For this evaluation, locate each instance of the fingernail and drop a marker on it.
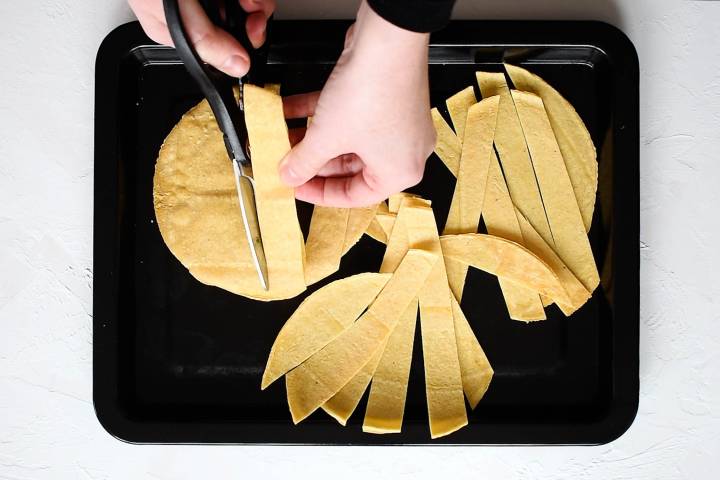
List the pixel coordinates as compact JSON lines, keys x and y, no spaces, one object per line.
{"x":235,"y":65}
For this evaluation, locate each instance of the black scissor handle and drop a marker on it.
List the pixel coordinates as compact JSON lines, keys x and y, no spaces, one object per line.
{"x":214,"y":84}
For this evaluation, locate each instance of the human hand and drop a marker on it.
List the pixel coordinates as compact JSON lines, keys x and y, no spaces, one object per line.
{"x":214,"y":45}
{"x":371,"y":130}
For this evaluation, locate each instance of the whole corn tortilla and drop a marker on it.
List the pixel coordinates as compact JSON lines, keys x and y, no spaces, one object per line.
{"x":321,"y":376}
{"x":514,"y":157}
{"x":319,"y":319}
{"x":197,"y":209}
{"x":572,"y":136}
{"x":566,"y":223}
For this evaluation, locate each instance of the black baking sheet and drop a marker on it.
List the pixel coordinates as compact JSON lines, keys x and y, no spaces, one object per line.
{"x":176,"y":361}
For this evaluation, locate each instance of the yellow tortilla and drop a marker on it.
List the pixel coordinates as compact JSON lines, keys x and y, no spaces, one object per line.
{"x":507,"y":259}
{"x":381,"y":226}
{"x":514,"y":156}
{"x":575,"y":143}
{"x":443,"y":381}
{"x":577,"y":293}
{"x":458,"y":106}
{"x":342,"y":405}
{"x":501,"y":221}
{"x":474,"y":364}
{"x":396,"y":199}
{"x":325,"y":241}
{"x":570,"y":239}
{"x":388,"y":390}
{"x":197,"y":209}
{"x":273,"y":87}
{"x":447,"y":145}
{"x":376,"y":232}
{"x":319,"y":319}
{"x":469,"y":195}
{"x":358,"y":220}
{"x":321,"y":376}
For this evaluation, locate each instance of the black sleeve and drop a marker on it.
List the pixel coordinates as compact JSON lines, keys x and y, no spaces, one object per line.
{"x":416,"y":15}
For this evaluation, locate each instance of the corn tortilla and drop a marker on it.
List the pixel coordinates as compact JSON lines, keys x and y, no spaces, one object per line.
{"x":447,"y":145}
{"x":358,"y":220}
{"x":575,"y":142}
{"x":514,"y":156}
{"x":319,"y":319}
{"x":386,"y":403}
{"x":566,"y":223}
{"x":322,"y":375}
{"x":197,"y":209}
{"x":458,"y":106}
{"x":507,"y":259}
{"x":501,"y":221}
{"x":474,"y":364}
{"x":469,"y":194}
{"x":443,"y":380}
{"x":324,"y":245}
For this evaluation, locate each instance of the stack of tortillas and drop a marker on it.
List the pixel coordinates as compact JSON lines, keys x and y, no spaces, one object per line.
{"x":524,"y":162}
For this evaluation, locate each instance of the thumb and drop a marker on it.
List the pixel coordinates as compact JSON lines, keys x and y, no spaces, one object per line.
{"x":305,"y":159}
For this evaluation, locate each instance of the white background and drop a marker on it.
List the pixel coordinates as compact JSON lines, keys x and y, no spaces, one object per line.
{"x":48,"y":428}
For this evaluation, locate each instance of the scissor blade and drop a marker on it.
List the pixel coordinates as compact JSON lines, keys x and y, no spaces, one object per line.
{"x":246,"y":199}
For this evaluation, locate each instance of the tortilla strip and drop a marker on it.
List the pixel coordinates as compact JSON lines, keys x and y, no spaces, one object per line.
{"x":396,"y":199}
{"x":469,"y":195}
{"x":342,"y":405}
{"x":321,"y":376}
{"x":501,"y":221}
{"x":566,"y":222}
{"x":323,"y":248}
{"x":443,"y":380}
{"x":514,"y":157}
{"x":458,"y":106}
{"x":447,"y":145}
{"x":319,"y":319}
{"x":577,"y":293}
{"x":474,"y":364}
{"x":507,"y":259}
{"x":572,"y":136}
{"x":376,"y":232}
{"x":357,"y":223}
{"x":388,"y":391}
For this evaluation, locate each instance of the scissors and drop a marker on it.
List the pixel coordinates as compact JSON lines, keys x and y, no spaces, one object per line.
{"x":229,"y":113}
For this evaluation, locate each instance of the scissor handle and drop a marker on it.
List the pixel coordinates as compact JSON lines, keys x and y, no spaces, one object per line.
{"x":213,"y":83}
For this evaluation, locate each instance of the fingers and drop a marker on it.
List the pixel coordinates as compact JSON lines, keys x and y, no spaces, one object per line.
{"x":256,"y":27}
{"x":214,"y":45}
{"x":296,"y":135}
{"x":305,"y":159}
{"x":300,"y":106}
{"x":343,"y":166}
{"x":340,"y":192}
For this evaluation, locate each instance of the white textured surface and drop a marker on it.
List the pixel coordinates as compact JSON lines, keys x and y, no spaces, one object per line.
{"x":48,"y":428}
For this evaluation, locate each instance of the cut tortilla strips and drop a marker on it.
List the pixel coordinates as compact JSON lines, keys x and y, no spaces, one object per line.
{"x":501,"y":221}
{"x":357,"y":224}
{"x":319,"y":319}
{"x":566,"y":223}
{"x":324,"y":246}
{"x":443,"y":380}
{"x":506,"y":259}
{"x":576,"y":145}
{"x":388,"y":391}
{"x":514,"y":156}
{"x":474,"y":364}
{"x":447,"y":145}
{"x":342,"y":405}
{"x":321,"y":376}
{"x":458,"y":106}
{"x":469,"y":194}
